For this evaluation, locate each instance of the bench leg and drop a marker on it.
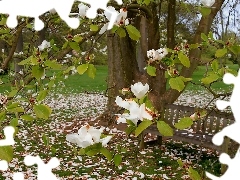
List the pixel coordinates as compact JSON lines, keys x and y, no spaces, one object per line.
{"x":159,"y":140}
{"x":224,"y":150}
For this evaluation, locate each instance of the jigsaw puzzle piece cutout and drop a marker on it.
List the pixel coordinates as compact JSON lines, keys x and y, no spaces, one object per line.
{"x":231,"y":131}
{"x":3,"y":165}
{"x":229,"y":78}
{"x":232,"y":172}
{"x":95,"y":5}
{"x":18,"y":176}
{"x":44,"y":170}
{"x":9,"y":134}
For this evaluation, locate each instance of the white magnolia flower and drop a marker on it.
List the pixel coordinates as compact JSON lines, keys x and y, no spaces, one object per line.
{"x":82,"y":10}
{"x":136,"y":113}
{"x":45,"y":44}
{"x":208,"y":3}
{"x":120,"y":20}
{"x":86,"y":136}
{"x":124,"y":103}
{"x":139,"y":90}
{"x":153,"y":55}
{"x":162,"y":52}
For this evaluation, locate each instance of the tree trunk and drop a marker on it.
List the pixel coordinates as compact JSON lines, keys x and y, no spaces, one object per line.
{"x":171,"y":24}
{"x":19,"y":48}
{"x":124,"y":62}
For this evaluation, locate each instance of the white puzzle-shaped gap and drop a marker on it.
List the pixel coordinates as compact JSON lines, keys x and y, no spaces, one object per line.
{"x":9,"y":134}
{"x":44,"y":171}
{"x":231,"y":131}
{"x":35,"y":8}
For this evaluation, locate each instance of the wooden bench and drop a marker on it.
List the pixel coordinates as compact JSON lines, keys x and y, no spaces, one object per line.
{"x":202,"y":130}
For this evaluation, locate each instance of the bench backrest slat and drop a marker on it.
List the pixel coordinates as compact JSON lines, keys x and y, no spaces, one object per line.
{"x":213,"y":123}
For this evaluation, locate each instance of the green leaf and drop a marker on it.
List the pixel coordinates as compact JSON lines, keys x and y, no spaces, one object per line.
{"x":235,"y":49}
{"x":147,"y":2}
{"x":17,"y":109}
{"x":142,"y":126}
{"x":42,"y":94}
{"x":25,"y":61}
{"x":151,"y":70}
{"x":184,"y":59}
{"x":77,"y":38}
{"x":82,"y":68}
{"x":130,"y":129}
{"x":177,"y":83}
{"x":74,"y":45}
{"x":92,"y":152}
{"x":209,"y":79}
{"x":220,"y":52}
{"x":180,"y":163}
{"x":164,"y":128}
{"x":2,"y":115}
{"x":37,"y":71}
{"x":91,"y":71}
{"x":114,"y":29}
{"x":12,"y":106}
{"x":194,"y":175}
{"x":185,"y":122}
{"x":215,"y":65}
{"x":117,"y":159}
{"x":121,"y":32}
{"x":42,"y":111}
{"x":53,"y":64}
{"x":65,"y":45}
{"x":106,"y":153}
{"x":204,"y":37}
{"x":93,"y":27}
{"x":14,"y":122}
{"x":185,"y":79}
{"x":53,"y":150}
{"x":6,"y":153}
{"x":27,"y":117}
{"x":13,"y":93}
{"x":205,"y":11}
{"x":45,"y":140}
{"x":134,"y":34}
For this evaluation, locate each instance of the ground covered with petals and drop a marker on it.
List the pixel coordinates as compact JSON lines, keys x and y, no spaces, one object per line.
{"x":71,"y":111}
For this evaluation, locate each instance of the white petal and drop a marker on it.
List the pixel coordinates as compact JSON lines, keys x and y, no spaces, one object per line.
{"x":95,"y":133}
{"x":82,"y":9}
{"x":106,"y":140}
{"x":121,"y":120}
{"x":103,"y":29}
{"x":108,"y":13}
{"x":120,"y":102}
{"x":144,"y":113}
{"x":72,"y":138}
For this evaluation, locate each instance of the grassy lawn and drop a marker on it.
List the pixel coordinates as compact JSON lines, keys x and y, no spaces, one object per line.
{"x":82,"y":83}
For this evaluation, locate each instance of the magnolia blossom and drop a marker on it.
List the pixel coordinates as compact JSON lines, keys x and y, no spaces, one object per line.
{"x":120,"y":20}
{"x":162,"y":52}
{"x":82,"y":10}
{"x":135,"y":114}
{"x":45,"y":44}
{"x":208,"y":3}
{"x":159,"y":54}
{"x":124,"y":103}
{"x":86,"y":136}
{"x":139,"y":90}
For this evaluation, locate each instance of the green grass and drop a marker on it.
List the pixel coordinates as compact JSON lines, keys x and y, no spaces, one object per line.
{"x":82,"y":83}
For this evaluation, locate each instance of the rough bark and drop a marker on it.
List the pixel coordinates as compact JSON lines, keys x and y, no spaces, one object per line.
{"x":204,"y":27}
{"x":19,"y":49}
{"x":171,"y":24}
